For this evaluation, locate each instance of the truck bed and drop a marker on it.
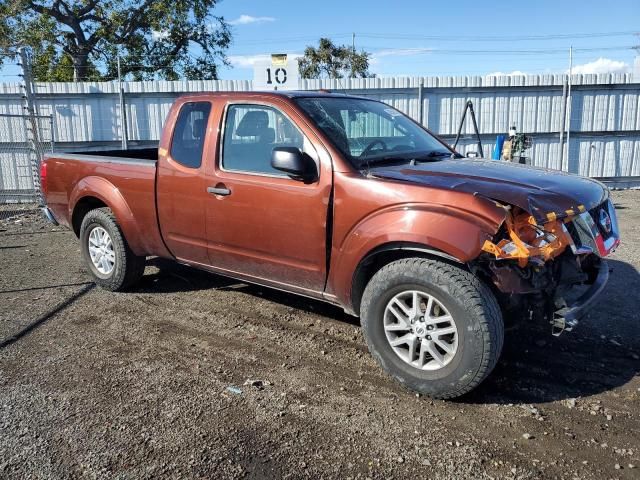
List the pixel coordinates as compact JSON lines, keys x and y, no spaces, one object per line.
{"x":124,"y":179}
{"x":132,"y":153}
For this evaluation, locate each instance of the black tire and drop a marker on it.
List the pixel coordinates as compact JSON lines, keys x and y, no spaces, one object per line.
{"x":471,"y":304}
{"x":128,"y":268}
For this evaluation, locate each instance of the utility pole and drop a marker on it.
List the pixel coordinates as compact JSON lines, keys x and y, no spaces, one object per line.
{"x":353,"y":53}
{"x":123,"y":110}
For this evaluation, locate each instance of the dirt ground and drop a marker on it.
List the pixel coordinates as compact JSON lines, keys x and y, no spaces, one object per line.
{"x":195,"y":375}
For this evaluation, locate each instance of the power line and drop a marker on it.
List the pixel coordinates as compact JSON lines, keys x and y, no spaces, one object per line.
{"x":435,"y":51}
{"x":496,"y":38}
{"x":306,"y":38}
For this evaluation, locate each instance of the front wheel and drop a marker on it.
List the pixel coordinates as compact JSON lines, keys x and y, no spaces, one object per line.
{"x":111,"y":262}
{"x":432,"y":326}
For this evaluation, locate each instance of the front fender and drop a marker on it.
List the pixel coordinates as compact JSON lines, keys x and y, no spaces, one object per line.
{"x":111,"y":196}
{"x":455,"y":232}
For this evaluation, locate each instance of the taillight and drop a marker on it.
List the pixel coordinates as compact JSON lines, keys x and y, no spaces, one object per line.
{"x":43,"y":178}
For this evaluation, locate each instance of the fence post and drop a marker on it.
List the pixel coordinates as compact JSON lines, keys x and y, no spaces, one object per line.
{"x":52,"y":135}
{"x":421,"y":101}
{"x":563,"y":123}
{"x":123,"y":111}
{"x":568,"y":113}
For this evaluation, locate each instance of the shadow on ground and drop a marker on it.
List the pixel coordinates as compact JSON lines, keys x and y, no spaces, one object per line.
{"x":173,"y":277}
{"x":42,"y":319}
{"x":599,"y":355}
{"x":535,"y":367}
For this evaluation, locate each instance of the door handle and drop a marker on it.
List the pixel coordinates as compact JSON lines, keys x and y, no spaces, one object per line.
{"x":219,"y":189}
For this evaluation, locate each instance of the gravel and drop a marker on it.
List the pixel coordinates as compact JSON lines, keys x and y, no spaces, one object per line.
{"x":145,"y":384}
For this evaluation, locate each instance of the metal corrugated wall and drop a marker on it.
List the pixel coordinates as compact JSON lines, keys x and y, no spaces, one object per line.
{"x":605,"y":112}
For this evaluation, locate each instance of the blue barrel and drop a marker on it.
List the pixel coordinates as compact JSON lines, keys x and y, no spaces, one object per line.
{"x":497,"y":152}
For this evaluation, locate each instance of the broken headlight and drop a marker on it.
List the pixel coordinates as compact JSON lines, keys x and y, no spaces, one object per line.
{"x":526,"y":241}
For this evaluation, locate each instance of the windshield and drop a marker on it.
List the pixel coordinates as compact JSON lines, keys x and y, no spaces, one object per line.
{"x":369,"y":132}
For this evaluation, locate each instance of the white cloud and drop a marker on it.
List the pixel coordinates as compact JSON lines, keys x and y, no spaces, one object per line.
{"x":397,"y":52}
{"x":602,"y":65}
{"x":247,"y":61}
{"x":247,"y":19}
{"x":515,"y":73}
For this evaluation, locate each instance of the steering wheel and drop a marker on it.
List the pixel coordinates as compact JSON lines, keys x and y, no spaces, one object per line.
{"x":369,"y":147}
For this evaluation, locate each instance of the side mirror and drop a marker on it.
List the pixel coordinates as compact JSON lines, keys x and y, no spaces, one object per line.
{"x":296,"y":164}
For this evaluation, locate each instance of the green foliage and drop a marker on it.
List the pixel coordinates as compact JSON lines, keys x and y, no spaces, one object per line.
{"x":520,"y":144}
{"x":333,"y":61}
{"x":81,"y":39}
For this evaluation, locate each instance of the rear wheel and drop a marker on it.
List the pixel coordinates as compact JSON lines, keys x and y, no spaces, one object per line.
{"x":432,"y":326}
{"x":111,"y":262}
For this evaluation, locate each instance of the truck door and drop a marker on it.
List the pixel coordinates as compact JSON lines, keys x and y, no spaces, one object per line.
{"x":260,"y":222}
{"x":181,"y":194}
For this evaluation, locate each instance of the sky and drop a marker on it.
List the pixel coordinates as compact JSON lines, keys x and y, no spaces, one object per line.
{"x":429,"y":38}
{"x":425,"y":38}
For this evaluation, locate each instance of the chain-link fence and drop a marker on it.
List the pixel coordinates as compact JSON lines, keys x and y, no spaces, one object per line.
{"x":24,"y":139}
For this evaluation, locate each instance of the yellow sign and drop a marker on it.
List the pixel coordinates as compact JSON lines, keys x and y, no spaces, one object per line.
{"x":279,"y":59}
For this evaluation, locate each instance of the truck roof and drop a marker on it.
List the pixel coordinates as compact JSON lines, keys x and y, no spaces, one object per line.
{"x":279,"y":93}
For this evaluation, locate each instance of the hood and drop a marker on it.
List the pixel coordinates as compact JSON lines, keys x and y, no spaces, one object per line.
{"x":541,"y":192}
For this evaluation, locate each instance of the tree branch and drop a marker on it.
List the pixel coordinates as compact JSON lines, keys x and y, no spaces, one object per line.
{"x":68,"y":20}
{"x":88,"y":8}
{"x":134,"y":20}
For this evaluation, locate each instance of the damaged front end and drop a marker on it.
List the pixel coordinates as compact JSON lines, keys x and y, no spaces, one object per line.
{"x":552,"y":270}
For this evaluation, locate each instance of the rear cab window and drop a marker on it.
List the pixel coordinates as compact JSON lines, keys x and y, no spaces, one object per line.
{"x":189,"y":134}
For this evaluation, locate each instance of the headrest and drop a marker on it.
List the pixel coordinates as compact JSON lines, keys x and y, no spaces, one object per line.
{"x":268,"y":135}
{"x":253,"y":124}
{"x":198,"y":128}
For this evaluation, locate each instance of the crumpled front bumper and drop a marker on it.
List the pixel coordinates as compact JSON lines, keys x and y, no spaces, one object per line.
{"x":567,"y":317}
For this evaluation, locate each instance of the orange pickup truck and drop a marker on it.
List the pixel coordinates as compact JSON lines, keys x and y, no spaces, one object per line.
{"x":349,"y":201}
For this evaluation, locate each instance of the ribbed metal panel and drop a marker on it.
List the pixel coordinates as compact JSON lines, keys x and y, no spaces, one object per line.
{"x":605,"y":112}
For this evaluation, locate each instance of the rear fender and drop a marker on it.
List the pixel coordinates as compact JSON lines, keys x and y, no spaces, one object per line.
{"x":110,"y":195}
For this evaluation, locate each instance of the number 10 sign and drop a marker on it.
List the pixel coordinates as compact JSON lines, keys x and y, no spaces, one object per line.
{"x":280,"y":72}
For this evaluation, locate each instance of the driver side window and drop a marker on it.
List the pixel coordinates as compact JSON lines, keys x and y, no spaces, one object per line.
{"x":251,"y":133}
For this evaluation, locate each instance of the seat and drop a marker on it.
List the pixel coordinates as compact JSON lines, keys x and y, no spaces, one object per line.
{"x":254,"y":154}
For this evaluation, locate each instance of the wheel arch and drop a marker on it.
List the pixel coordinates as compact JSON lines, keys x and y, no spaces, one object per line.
{"x":386,"y":253}
{"x":96,"y":192}
{"x":83,"y":206}
{"x":446,"y":232}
